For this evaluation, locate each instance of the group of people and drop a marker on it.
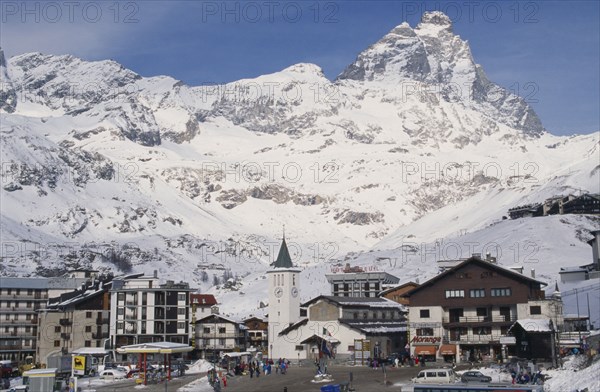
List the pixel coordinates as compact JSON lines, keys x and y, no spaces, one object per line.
{"x":255,"y":368}
{"x":523,"y":377}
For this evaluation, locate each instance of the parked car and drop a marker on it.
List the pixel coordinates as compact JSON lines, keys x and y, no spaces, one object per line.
{"x":112,"y":374}
{"x":19,"y":388}
{"x":435,"y":376}
{"x":474,"y":376}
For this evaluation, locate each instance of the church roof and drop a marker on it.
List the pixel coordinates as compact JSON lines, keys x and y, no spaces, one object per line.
{"x":283,"y":258}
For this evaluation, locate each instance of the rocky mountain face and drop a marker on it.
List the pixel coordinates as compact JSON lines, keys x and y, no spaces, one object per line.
{"x":105,"y":168}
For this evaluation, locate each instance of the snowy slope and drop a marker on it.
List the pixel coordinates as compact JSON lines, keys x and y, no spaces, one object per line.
{"x":105,"y":168}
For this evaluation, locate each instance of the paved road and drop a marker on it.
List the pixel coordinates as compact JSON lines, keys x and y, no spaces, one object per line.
{"x":298,"y":379}
{"x":122,"y":386}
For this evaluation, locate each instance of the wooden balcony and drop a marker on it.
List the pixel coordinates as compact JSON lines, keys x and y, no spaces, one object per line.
{"x":474,"y":321}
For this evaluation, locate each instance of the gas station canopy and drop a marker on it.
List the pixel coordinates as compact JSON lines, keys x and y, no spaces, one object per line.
{"x":155,"y":348}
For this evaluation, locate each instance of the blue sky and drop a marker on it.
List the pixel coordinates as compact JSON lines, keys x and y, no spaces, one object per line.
{"x":545,"y":51}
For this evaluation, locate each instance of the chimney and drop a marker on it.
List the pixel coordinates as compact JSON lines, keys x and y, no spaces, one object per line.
{"x":533,"y":273}
{"x":155,"y":274}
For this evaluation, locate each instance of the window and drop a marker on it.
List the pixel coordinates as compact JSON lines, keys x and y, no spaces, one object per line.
{"x":88,"y":314}
{"x":482,"y":330}
{"x":424,"y":313}
{"x":18,"y":291}
{"x":29,"y":292}
{"x":221,"y":342}
{"x":535,"y":310}
{"x":88,"y":328}
{"x":88,"y":343}
{"x":455,"y":293}
{"x":503,"y":292}
{"x":27,"y":329}
{"x":120,"y":297}
{"x":180,"y":325}
{"x":482,"y":312}
{"x":206,"y":330}
{"x":29,"y":304}
{"x":355,"y":315}
{"x":221,"y":329}
{"x":57,"y":329}
{"x":57,"y":343}
{"x":365,"y":315}
{"x":120,"y":325}
{"x":425,"y":331}
{"x":28,"y":316}
{"x":181,"y":296}
{"x":120,"y":311}
{"x":180,"y":310}
{"x":7,"y":316}
{"x":477,"y":293}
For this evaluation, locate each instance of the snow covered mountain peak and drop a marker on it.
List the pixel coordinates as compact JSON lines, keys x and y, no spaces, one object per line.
{"x":436,"y":18}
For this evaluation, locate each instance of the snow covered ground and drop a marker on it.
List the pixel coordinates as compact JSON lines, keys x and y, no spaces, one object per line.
{"x":571,"y":377}
{"x":200,"y":385}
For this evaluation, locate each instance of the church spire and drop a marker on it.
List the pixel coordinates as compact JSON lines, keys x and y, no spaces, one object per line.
{"x":283,"y":258}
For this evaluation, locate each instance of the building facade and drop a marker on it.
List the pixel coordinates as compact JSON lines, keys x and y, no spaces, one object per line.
{"x":341,"y":322}
{"x":144,"y":311}
{"x":20,"y":301}
{"x":353,"y":282}
{"x":217,"y":334}
{"x":75,"y":320}
{"x":464,"y":313}
{"x":258,"y":333}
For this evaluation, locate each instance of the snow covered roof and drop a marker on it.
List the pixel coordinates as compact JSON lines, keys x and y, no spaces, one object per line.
{"x":156,"y":347}
{"x":357,"y":302}
{"x":377,"y":326}
{"x":200,"y":320}
{"x":535,"y":325}
{"x":90,"y":351}
{"x":23,"y":283}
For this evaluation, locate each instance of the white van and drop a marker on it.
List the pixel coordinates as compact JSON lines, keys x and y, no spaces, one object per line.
{"x":439,"y":376}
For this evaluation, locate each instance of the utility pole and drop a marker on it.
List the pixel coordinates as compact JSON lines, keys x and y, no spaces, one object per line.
{"x":578,"y":315}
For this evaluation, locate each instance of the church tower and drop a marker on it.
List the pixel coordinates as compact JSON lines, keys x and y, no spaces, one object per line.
{"x":284,"y":303}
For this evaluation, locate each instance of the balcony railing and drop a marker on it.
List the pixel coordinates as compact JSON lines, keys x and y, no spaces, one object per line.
{"x":473,"y":338}
{"x":65,"y":322}
{"x":495,"y":318}
{"x":96,"y":335}
{"x":65,"y":336}
{"x":220,"y":336}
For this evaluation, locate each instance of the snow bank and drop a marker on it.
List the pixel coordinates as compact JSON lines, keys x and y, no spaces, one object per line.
{"x":570,"y":378}
{"x":199,"y":385}
{"x":200,"y":366}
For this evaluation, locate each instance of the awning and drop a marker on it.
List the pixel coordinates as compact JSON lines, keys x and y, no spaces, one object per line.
{"x":155,"y":348}
{"x":425,"y":350}
{"x":448,"y":349}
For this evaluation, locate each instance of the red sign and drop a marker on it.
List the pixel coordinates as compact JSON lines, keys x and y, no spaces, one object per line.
{"x":426,"y":339}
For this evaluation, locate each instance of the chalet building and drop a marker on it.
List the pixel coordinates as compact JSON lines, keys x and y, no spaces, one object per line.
{"x":200,"y":305}
{"x":75,"y":320}
{"x":583,"y":204}
{"x":465,"y":312}
{"x":257,"y":329}
{"x":535,"y":339}
{"x":397,"y":293}
{"x":217,"y":335}
{"x":526,"y":211}
{"x":344,"y":320}
{"x":354,"y":282}
{"x":20,"y":301}
{"x":587,"y":203}
{"x":144,"y":311}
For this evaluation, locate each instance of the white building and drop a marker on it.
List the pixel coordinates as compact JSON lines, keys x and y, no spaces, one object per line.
{"x":217,"y":335}
{"x":284,"y":302}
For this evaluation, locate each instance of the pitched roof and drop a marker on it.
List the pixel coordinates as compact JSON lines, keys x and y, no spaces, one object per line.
{"x":486,"y":264}
{"x":203,"y":299}
{"x":283,"y":258}
{"x":361,"y":302}
{"x":534,"y":325}
{"x":386,"y":291}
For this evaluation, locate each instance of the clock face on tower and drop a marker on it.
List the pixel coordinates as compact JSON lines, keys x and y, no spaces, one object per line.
{"x":278,"y":292}
{"x":294,"y":292}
